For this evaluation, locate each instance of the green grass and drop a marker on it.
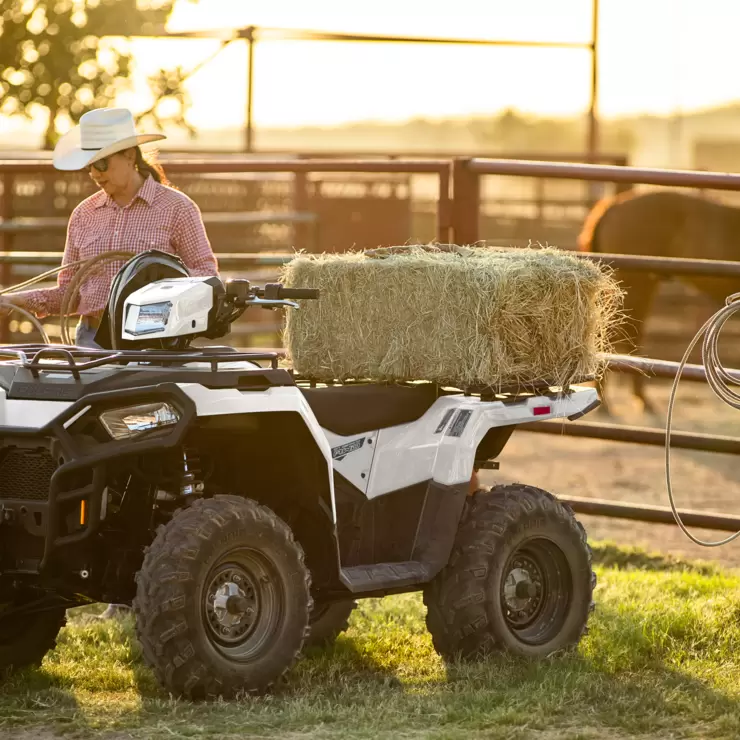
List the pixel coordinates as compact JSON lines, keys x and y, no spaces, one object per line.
{"x":660,"y":661}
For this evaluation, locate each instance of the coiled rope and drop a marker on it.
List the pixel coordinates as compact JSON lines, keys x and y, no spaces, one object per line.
{"x":720,"y":381}
{"x":86,"y":268}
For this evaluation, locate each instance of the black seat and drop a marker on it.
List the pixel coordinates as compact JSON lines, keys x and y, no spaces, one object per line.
{"x":351,"y":409}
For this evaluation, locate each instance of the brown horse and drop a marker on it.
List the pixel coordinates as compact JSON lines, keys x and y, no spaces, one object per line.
{"x":661,"y":224}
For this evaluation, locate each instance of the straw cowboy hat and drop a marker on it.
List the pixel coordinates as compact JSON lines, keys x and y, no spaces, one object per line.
{"x":100,"y":133}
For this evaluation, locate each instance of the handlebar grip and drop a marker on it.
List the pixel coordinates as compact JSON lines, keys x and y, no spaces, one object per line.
{"x":309,"y":293}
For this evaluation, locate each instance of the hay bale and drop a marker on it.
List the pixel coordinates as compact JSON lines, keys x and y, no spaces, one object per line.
{"x":462,"y":316}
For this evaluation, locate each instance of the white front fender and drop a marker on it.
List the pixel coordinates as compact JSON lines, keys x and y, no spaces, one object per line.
{"x":222,"y":401}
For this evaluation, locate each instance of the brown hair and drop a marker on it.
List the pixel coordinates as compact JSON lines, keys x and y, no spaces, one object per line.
{"x":147,"y":164}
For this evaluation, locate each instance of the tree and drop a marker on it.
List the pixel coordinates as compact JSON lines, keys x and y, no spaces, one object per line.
{"x":68,"y":57}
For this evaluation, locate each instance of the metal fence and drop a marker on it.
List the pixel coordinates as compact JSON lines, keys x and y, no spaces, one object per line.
{"x":252,"y":204}
{"x":458,"y":221}
{"x":467,"y":174}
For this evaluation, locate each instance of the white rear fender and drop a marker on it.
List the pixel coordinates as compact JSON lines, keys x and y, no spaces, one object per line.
{"x":442,"y":445}
{"x":470,"y":424}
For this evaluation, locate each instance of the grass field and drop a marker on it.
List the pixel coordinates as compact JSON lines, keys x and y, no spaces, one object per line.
{"x":660,"y":661}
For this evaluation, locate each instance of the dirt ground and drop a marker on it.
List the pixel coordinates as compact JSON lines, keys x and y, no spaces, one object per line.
{"x":634,"y":473}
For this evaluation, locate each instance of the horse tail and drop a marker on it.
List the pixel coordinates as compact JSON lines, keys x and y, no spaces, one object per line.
{"x":588,"y":238}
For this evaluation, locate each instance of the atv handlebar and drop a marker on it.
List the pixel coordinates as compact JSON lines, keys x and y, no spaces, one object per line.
{"x":278,"y":292}
{"x":240,"y":292}
{"x":308,"y":293}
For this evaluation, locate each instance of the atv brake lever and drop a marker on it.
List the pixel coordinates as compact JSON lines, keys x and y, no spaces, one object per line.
{"x":270,"y":303}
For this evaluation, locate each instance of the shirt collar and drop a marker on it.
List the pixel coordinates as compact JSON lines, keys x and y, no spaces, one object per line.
{"x":147,"y":193}
{"x":148,"y":190}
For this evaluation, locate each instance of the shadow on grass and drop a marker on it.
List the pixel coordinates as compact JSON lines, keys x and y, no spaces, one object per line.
{"x":630,"y":686}
{"x":31,"y":698}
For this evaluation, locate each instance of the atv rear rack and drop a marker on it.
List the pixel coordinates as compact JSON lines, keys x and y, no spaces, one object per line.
{"x":485,"y":393}
{"x":79,"y":359}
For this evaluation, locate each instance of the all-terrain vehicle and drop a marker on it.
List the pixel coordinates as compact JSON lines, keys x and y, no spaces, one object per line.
{"x":243,"y":509}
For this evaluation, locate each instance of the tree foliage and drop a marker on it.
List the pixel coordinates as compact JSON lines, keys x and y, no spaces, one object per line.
{"x":69,"y":56}
{"x":513,"y":131}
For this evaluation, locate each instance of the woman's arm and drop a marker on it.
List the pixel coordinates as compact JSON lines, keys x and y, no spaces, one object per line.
{"x":48,"y":301}
{"x":191,"y":242}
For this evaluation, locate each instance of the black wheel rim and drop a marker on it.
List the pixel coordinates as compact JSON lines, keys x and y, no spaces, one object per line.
{"x":242,"y":605}
{"x":536,"y":591}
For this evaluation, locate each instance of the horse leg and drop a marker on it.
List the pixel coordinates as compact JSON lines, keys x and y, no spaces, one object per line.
{"x":601,"y":390}
{"x":643,"y":298}
{"x":639,"y":292}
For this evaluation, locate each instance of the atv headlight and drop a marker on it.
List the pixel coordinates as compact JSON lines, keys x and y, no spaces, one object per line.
{"x":148,"y":318}
{"x":134,"y":420}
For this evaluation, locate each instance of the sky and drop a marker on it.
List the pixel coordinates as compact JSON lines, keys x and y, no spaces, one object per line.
{"x":655,"y":56}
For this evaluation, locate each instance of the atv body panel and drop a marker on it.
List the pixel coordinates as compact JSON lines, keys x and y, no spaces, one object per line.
{"x":397,"y":459}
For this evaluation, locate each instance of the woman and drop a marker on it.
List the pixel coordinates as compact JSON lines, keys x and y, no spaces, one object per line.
{"x":135,"y":210}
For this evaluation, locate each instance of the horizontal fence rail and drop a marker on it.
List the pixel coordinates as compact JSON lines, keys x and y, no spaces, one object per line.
{"x":653,"y":514}
{"x":235,"y":259}
{"x":24,"y":224}
{"x":237,"y":164}
{"x":661,"y":368}
{"x":638,"y":435}
{"x":605,"y":173}
{"x":659,"y":265}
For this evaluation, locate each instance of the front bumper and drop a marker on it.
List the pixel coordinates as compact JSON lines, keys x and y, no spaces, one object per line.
{"x":80,"y":469}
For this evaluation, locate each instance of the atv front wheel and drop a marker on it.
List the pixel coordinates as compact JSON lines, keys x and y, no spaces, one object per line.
{"x":328,"y":621}
{"x":223,"y":599}
{"x":25,"y":640}
{"x":519,"y":578}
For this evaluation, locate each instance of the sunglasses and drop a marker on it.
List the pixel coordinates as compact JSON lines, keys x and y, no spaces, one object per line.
{"x":101,"y":165}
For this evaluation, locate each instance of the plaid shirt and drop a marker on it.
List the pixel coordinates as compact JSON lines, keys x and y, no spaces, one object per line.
{"x":158,"y":217}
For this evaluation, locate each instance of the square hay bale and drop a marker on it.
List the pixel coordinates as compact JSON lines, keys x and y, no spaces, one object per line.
{"x":459,"y":316}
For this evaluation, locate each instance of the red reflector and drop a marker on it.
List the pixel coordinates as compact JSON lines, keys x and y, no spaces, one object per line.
{"x":541,"y":410}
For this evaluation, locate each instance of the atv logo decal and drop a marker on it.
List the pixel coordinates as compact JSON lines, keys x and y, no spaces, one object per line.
{"x":339,"y":453}
{"x":445,"y":419}
{"x":459,"y":424}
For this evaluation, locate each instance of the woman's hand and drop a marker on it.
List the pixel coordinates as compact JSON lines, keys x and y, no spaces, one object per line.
{"x":8,"y":301}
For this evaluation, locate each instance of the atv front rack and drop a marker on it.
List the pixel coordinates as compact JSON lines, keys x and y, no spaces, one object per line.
{"x":38,"y":357}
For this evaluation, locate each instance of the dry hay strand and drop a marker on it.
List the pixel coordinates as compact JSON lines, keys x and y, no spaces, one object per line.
{"x":453,"y":315}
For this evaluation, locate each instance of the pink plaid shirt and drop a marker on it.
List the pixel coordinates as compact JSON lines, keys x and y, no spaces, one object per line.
{"x":158,"y":217}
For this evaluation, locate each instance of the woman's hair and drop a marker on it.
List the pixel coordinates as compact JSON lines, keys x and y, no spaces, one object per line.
{"x":147,"y":164}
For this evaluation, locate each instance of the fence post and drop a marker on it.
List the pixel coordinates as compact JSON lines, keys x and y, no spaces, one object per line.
{"x":465,"y":203}
{"x":305,"y":234}
{"x":444,"y":208}
{"x":6,"y":245}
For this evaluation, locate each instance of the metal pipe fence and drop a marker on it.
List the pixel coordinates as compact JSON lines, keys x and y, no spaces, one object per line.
{"x":465,"y":230}
{"x":457,"y":222}
{"x":467,"y":173}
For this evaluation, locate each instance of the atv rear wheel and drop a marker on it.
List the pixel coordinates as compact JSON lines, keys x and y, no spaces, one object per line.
{"x":24,"y":641}
{"x":519,"y":578}
{"x":223,"y":599}
{"x":328,"y":621}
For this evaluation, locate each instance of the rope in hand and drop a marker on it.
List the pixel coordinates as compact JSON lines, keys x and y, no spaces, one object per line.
{"x":86,"y":268}
{"x":719,"y":381}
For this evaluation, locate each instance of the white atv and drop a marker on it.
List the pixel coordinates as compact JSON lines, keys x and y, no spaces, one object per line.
{"x":242,"y":510}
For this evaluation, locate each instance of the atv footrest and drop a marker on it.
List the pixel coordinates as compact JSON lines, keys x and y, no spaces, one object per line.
{"x":385,"y":575}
